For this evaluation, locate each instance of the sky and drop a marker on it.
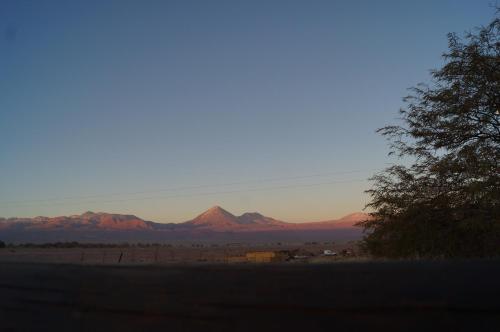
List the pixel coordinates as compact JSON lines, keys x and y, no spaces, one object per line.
{"x":164,"y":108}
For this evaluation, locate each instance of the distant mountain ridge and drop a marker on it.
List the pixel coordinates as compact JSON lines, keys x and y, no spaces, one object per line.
{"x":86,"y":221}
{"x":213,"y":221}
{"x":216,"y":218}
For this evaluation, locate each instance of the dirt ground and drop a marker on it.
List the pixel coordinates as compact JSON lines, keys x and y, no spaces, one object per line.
{"x":163,"y":255}
{"x":402,"y":296}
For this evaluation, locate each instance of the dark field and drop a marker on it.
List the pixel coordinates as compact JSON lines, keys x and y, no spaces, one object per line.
{"x":165,"y":255}
{"x":349,"y":296}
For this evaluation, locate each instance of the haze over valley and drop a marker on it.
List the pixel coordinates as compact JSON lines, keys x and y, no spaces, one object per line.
{"x":215,"y":223}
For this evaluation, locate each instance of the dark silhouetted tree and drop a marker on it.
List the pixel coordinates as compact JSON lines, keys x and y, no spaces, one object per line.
{"x":445,"y":201}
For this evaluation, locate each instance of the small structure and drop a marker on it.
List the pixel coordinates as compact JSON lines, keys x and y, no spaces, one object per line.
{"x":346,"y":252}
{"x":328,"y":252}
{"x":301,"y":254}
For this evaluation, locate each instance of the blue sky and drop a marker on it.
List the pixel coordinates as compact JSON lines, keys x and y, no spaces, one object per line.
{"x":165,"y":108}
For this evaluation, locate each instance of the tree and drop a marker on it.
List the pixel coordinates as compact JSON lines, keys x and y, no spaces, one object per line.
{"x":2,"y":244}
{"x":446,"y":202}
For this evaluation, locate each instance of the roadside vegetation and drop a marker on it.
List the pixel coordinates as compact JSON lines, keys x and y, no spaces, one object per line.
{"x":443,"y":200}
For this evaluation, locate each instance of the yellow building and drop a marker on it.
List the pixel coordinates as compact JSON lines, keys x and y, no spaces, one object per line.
{"x":266,"y":256}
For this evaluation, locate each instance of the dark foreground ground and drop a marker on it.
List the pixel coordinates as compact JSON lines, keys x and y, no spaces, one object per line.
{"x":406,"y":296}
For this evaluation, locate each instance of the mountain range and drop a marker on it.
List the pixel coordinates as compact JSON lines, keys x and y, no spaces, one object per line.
{"x":215,"y":223}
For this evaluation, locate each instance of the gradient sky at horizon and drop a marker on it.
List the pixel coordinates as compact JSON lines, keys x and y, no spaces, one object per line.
{"x":165,"y":108}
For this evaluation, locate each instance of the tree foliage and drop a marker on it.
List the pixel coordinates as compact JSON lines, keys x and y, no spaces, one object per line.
{"x":446,"y":202}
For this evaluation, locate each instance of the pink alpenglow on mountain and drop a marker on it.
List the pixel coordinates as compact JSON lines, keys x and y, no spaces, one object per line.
{"x":86,"y":221}
{"x":218,"y":219}
{"x":215,"y":217}
{"x":215,"y":220}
